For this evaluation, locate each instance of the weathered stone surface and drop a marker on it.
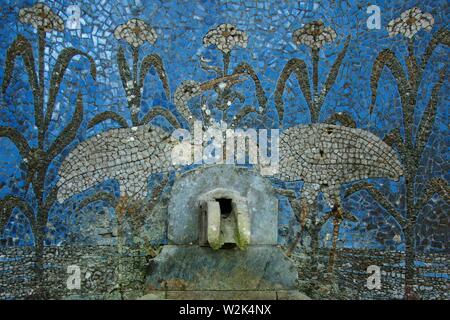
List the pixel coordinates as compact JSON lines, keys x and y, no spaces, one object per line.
{"x":102,"y":269}
{"x":225,"y":295}
{"x":184,"y":211}
{"x":222,"y":295}
{"x":291,"y":295}
{"x":155,"y":226}
{"x":202,"y":268}
{"x":153,"y":295}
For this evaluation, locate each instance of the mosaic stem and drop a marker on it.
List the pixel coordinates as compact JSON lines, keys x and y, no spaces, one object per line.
{"x":226,"y":62}
{"x":314,"y":111}
{"x":41,"y":70}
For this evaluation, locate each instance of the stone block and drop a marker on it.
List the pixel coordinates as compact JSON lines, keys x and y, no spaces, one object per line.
{"x":183,"y":268}
{"x":183,"y":209}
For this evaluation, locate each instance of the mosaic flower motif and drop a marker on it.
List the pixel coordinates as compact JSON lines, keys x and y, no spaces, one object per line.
{"x":41,"y":16}
{"x":225,"y":37}
{"x":135,"y":32}
{"x":410,"y":22}
{"x":314,"y":34}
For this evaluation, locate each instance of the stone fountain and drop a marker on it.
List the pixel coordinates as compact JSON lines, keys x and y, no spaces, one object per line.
{"x":222,"y":232}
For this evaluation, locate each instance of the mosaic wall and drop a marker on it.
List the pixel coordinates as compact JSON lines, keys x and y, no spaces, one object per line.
{"x":92,"y":90}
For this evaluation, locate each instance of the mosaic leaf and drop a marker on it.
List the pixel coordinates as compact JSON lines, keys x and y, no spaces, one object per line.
{"x":379,"y":197}
{"x":388,"y":59}
{"x":428,"y":117}
{"x":298,"y":67}
{"x":153,"y":60}
{"x":107,"y":115}
{"x":69,"y":132}
{"x":21,"y":47}
{"x":159,"y":111}
{"x":8,"y":203}
{"x":58,"y":73}
{"x":247,"y":69}
{"x":17,"y":138}
{"x":331,"y":78}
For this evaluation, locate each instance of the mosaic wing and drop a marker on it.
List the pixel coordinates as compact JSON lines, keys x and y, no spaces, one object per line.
{"x":128,"y":155}
{"x":333,"y":155}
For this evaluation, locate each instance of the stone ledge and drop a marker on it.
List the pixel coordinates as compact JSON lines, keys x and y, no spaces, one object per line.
{"x":193,"y":268}
{"x":225,"y":295}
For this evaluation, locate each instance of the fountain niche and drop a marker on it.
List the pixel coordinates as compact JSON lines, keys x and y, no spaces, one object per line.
{"x":222,"y":231}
